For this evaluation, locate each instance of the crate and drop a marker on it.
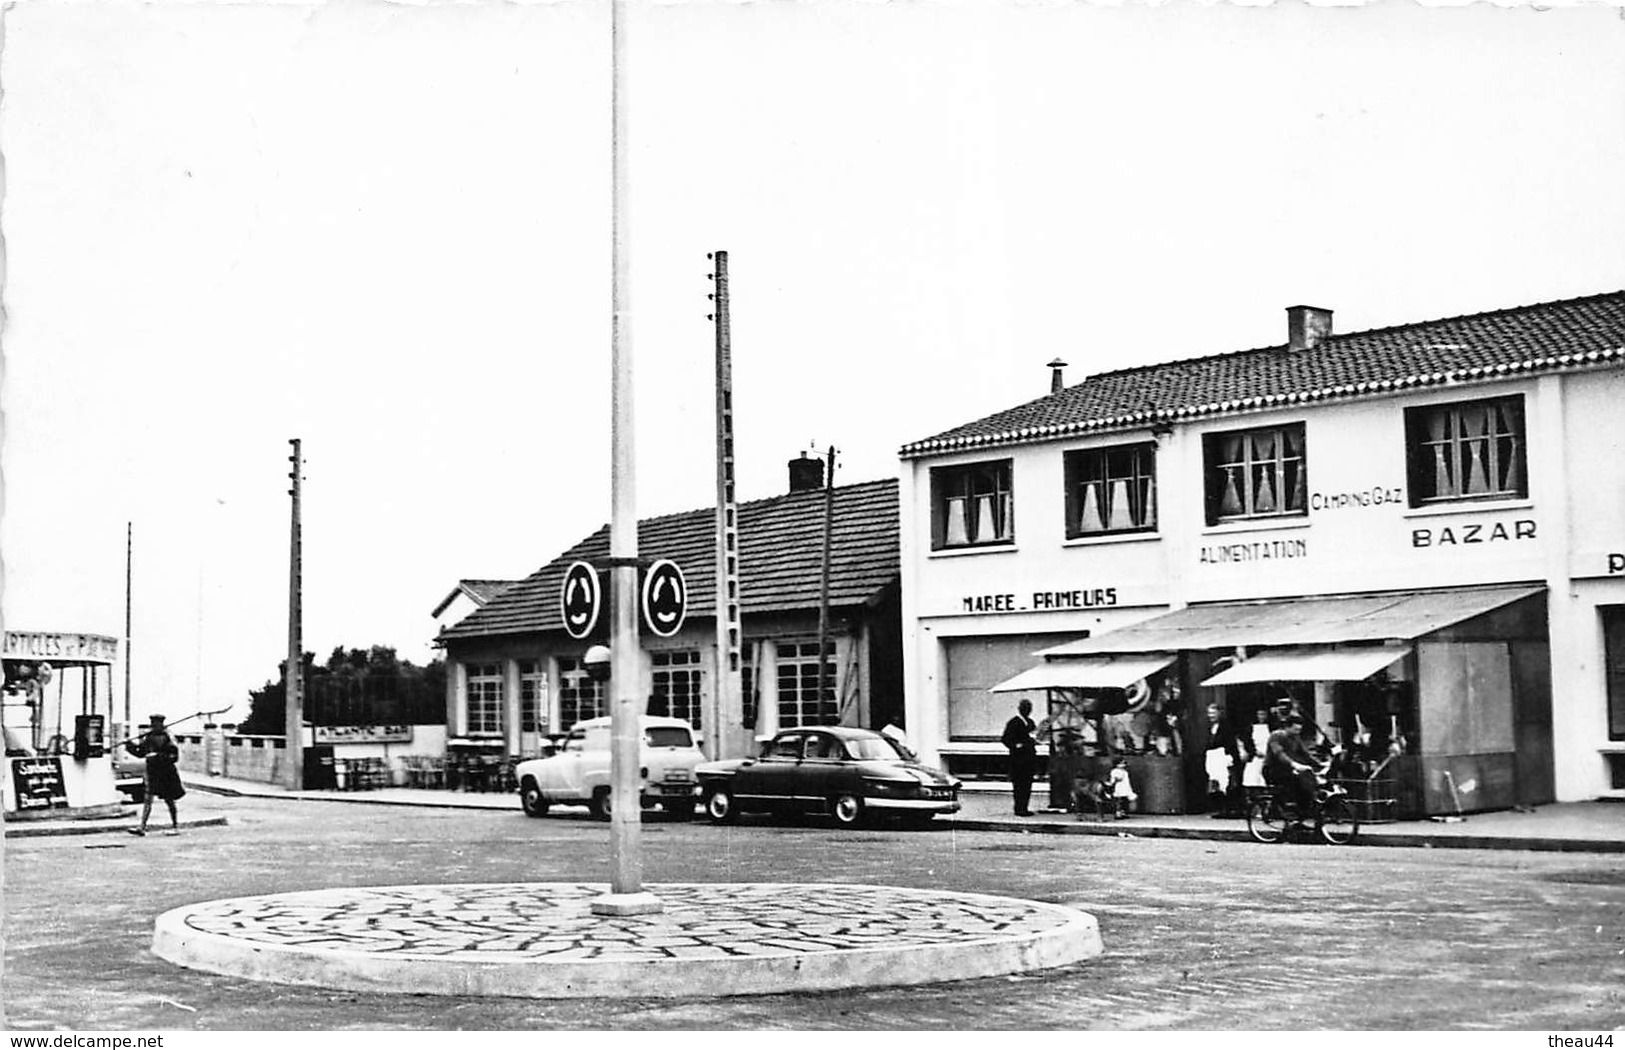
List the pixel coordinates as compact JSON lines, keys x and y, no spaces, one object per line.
{"x":1372,"y":800}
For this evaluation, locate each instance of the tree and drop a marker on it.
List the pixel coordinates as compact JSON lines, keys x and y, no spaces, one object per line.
{"x":371,"y":686}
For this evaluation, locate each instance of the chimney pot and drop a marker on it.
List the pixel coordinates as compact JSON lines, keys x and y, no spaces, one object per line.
{"x":1307,"y":327}
{"x":1055,"y":383}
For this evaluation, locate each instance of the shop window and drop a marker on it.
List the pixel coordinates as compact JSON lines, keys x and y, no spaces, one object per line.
{"x":580,"y":698}
{"x":484,"y":699}
{"x":1255,"y":473}
{"x":676,"y":682}
{"x":532,"y":697}
{"x":799,"y":701}
{"x":1111,"y":490}
{"x":1467,"y":450}
{"x":971,"y":506}
{"x":1613,"y":643}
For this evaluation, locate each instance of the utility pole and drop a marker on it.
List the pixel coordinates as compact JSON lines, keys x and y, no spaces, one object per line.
{"x":293,"y":765}
{"x":823,"y":585}
{"x":129,"y":551}
{"x":626,"y":896}
{"x":725,"y":718}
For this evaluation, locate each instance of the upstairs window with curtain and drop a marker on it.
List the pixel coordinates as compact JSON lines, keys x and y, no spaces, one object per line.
{"x":1111,"y":490}
{"x":1255,"y":474}
{"x":971,"y":505}
{"x":1466,"y":451}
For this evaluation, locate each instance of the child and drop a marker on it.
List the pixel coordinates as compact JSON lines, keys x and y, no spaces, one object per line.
{"x":1122,"y":788}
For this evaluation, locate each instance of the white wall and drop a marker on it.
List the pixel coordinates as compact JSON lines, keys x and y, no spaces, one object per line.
{"x":1360,"y":534}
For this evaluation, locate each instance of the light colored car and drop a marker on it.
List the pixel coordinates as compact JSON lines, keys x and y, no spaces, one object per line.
{"x":578,"y":774}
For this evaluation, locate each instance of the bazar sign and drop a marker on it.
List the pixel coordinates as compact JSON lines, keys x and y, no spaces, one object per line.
{"x":363,"y":734}
{"x":36,"y":645}
{"x":1043,"y":601}
{"x":1472,"y":532}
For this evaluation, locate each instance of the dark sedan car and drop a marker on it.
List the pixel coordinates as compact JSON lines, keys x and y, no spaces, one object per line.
{"x":847,"y":773}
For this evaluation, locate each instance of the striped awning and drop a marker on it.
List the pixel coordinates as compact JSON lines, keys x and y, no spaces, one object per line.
{"x":1393,"y":617}
{"x":1311,"y":664}
{"x":1087,"y":672}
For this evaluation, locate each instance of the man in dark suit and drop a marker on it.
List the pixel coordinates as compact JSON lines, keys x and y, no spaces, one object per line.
{"x":1018,"y":738}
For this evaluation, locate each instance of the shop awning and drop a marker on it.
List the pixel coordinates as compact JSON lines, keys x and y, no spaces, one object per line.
{"x":1087,"y":672}
{"x":1401,"y":617}
{"x":1311,"y":664}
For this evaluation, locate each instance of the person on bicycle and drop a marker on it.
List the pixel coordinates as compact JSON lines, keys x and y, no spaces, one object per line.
{"x":1289,"y":767}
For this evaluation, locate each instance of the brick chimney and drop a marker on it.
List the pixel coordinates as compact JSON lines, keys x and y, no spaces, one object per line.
{"x":1307,"y":327}
{"x":1055,"y":383}
{"x":806,"y":475}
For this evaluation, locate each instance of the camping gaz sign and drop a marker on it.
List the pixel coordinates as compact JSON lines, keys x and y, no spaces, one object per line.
{"x":663,"y":599}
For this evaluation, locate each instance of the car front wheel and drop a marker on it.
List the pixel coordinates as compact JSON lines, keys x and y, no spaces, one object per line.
{"x":847,"y":809}
{"x":599,"y":805}
{"x":532,"y":799}
{"x":719,"y":806}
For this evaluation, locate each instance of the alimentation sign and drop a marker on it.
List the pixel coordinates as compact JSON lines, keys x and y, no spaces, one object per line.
{"x":47,"y":645}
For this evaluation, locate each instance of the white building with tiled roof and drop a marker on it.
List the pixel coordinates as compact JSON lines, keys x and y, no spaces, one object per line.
{"x":515,"y":674}
{"x":464,"y":598}
{"x":1418,"y":532}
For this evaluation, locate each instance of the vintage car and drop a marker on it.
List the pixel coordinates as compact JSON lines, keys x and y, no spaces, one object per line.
{"x":847,"y":773}
{"x":578,"y":773}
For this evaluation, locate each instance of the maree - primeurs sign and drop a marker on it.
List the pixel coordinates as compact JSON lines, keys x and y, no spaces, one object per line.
{"x":62,"y":648}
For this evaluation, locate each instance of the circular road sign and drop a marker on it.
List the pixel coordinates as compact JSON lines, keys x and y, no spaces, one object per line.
{"x":665,"y":598}
{"x":579,"y":599}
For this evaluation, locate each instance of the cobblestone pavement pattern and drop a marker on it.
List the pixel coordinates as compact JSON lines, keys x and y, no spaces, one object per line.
{"x":552,"y":921}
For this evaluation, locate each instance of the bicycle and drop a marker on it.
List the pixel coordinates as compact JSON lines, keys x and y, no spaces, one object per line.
{"x":1270,"y":818}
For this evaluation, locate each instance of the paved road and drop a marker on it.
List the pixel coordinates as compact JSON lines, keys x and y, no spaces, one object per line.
{"x":1199,"y":935}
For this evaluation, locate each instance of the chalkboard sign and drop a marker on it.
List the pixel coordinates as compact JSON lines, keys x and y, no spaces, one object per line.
{"x":38,"y":783}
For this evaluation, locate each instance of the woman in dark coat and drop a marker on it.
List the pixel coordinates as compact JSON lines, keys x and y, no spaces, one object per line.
{"x":163,"y":779}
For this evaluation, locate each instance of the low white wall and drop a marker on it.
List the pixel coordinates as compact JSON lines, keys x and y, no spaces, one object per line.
{"x":260,"y":758}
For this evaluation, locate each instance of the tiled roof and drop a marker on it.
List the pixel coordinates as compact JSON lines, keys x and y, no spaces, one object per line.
{"x":1526,"y":340}
{"x":483,"y":591}
{"x":780,"y":559}
{"x":478,"y":591}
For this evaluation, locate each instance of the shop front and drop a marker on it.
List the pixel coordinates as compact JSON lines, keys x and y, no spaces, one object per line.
{"x":1439,"y":701}
{"x":58,"y":700}
{"x":1102,"y":710}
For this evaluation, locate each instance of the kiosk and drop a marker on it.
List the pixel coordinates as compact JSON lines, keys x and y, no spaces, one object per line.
{"x":57,"y":703}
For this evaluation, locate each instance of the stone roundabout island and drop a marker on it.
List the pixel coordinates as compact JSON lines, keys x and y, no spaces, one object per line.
{"x":541,"y":940}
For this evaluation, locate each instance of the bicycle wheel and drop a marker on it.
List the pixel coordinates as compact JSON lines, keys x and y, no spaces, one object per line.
{"x":1264,"y":820}
{"x":1337,"y":825}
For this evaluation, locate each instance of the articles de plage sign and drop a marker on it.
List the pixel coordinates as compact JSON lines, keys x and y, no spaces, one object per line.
{"x":41,"y":645}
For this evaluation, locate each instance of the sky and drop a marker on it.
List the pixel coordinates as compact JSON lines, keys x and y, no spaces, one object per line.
{"x":384,"y":229}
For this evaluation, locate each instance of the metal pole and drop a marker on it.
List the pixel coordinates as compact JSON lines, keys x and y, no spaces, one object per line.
{"x":293,"y":765}
{"x":725,"y":716}
{"x":129,"y":552}
{"x":626,"y":708}
{"x":823,"y":586}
